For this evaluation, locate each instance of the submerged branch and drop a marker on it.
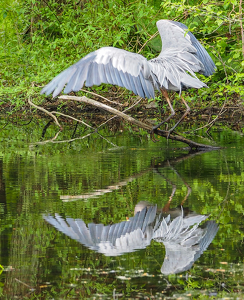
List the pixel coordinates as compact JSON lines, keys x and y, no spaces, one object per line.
{"x":140,"y":124}
{"x":53,"y":140}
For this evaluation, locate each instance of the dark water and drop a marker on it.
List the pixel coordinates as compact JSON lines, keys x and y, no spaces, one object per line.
{"x":93,"y":180}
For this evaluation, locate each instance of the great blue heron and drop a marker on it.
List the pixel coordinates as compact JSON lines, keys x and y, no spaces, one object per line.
{"x":174,"y":69}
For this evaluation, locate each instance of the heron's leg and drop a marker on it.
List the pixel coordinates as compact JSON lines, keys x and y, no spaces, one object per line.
{"x":167,"y":205}
{"x":165,"y":93}
{"x":184,"y":115}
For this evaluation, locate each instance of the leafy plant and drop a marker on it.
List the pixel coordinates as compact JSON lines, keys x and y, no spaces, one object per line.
{"x":41,"y":38}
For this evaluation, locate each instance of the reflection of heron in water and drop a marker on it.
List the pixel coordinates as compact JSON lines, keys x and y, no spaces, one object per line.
{"x":181,"y":235}
{"x":178,"y":229}
{"x":111,"y":240}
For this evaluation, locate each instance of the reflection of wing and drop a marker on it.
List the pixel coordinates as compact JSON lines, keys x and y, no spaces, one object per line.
{"x":182,"y":237}
{"x":116,"y":239}
{"x":184,"y":241}
{"x":211,"y":229}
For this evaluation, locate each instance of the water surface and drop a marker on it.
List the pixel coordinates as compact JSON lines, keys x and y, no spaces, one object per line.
{"x":101,"y":183}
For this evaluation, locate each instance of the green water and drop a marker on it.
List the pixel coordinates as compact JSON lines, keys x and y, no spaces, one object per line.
{"x":42,"y":263}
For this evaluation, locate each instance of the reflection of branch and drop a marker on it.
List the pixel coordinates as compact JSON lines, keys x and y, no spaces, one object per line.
{"x":116,"y":186}
{"x":136,"y":122}
{"x":100,"y":192}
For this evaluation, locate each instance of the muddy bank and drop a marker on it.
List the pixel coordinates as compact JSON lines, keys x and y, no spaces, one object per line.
{"x":229,"y":114}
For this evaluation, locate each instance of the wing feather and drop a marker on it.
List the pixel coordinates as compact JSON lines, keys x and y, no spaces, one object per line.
{"x":181,"y":55}
{"x":106,"y":65}
{"x":175,"y":36}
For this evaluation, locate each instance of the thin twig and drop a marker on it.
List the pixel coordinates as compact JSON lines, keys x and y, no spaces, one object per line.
{"x":106,"y":140}
{"x":104,"y":98}
{"x":222,"y":111}
{"x":24,"y":284}
{"x":122,"y":111}
{"x":214,"y":120}
{"x":152,"y":37}
{"x":67,"y":116}
{"x":107,"y":108}
{"x":59,"y":142}
{"x":47,"y":112}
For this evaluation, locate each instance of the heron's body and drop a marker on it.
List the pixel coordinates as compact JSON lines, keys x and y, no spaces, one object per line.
{"x":174,"y":69}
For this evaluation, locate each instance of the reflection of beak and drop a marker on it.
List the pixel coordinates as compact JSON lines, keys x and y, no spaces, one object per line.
{"x":141,"y":205}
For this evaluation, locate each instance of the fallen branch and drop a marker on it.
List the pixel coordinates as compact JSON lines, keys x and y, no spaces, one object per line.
{"x":107,"y":108}
{"x":140,"y":124}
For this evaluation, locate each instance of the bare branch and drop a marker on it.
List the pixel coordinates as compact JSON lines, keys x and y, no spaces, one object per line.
{"x":45,"y":111}
{"x":52,"y":140}
{"x":107,"y":108}
{"x":123,"y":112}
{"x":67,"y":116}
{"x":140,"y":124}
{"x":104,"y":98}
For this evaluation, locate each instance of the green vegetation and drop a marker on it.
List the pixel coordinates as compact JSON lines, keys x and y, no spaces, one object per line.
{"x":38,"y":40}
{"x":41,"y":38}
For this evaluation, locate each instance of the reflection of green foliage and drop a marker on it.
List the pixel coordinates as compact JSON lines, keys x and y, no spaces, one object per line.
{"x":35,"y":177}
{"x":1,"y":269}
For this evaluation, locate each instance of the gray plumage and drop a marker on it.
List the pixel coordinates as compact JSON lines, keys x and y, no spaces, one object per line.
{"x":184,"y":240}
{"x":174,"y":69}
{"x":182,"y":237}
{"x":111,"y":240}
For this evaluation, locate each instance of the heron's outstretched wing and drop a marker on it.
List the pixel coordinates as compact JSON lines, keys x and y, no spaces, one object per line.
{"x":176,"y":38}
{"x":106,"y":65}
